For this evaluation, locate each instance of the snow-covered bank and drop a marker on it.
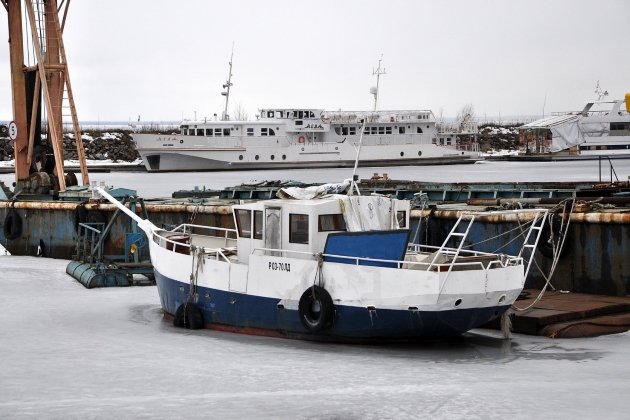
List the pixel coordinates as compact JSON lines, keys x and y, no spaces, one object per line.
{"x":70,"y":352}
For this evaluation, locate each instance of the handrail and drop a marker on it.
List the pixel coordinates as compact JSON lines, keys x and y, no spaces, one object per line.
{"x":218,"y":251}
{"x":399,"y":263}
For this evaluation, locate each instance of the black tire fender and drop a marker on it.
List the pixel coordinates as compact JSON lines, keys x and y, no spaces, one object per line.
{"x":96,"y":217}
{"x":188,"y":315}
{"x":546,"y":248}
{"x":12,"y":225}
{"x":80,"y":216}
{"x":312,"y":320}
{"x":429,"y":234}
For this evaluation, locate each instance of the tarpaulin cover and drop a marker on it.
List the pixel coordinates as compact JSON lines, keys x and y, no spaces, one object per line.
{"x":385,"y":245}
{"x":366,"y":213}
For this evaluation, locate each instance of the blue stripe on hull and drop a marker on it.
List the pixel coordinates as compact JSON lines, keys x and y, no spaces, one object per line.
{"x":261,"y":315}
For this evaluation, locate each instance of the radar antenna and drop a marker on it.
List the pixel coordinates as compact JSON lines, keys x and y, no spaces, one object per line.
{"x":228,"y":84}
{"x":601,"y":94}
{"x":377,"y":72}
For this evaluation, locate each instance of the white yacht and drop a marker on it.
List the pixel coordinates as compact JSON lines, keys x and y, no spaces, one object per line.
{"x":602,"y":127}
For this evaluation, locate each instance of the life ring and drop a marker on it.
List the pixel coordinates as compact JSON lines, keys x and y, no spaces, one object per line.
{"x":302,"y":139}
{"x":316,"y":309}
{"x":429,"y":234}
{"x":545,"y":247}
{"x":80,"y":216}
{"x":12,"y":225}
{"x":188,"y":315}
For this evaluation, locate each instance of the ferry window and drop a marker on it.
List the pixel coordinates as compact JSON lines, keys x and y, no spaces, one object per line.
{"x":244,"y":222}
{"x":381,"y":130}
{"x":331,"y":222}
{"x":278,"y":114}
{"x":311,"y":114}
{"x":271,"y":132}
{"x":209,"y":132}
{"x":270,"y":114}
{"x":217,"y":132}
{"x":374,"y":130}
{"x":250,"y":131}
{"x":344,"y":131}
{"x":258,"y":224}
{"x":263,"y":132}
{"x":448,"y":140}
{"x":419,"y":130}
{"x":298,"y":123}
{"x":434,"y":140}
{"x":338,"y":130}
{"x":353,"y":131}
{"x":442,"y":141}
{"x":298,"y":228}
{"x":388,"y":130}
{"x":401,"y":130}
{"x":226,"y":132}
{"x":200,"y":131}
{"x":300,"y":114}
{"x":401,"y":216}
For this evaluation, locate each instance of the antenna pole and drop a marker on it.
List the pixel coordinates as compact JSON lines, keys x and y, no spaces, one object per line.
{"x":378,"y":73}
{"x":229,"y":83}
{"x":356,"y":161}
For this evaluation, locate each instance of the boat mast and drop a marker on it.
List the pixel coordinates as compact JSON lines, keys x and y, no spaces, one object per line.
{"x":600,"y":94}
{"x":225,"y":116}
{"x":378,"y":73}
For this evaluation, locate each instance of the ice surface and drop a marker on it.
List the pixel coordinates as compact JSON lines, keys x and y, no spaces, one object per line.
{"x":70,"y":352}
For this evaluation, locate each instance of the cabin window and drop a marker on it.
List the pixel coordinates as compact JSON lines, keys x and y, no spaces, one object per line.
{"x":419,"y":130}
{"x":311,"y":114}
{"x":448,"y":141}
{"x":401,"y":216}
{"x":244,"y":222}
{"x":401,"y":130}
{"x":278,"y":114}
{"x":298,"y":228}
{"x":353,"y":131}
{"x":250,"y":132}
{"x":217,"y":132}
{"x":263,"y":132}
{"x":258,"y":224}
{"x":381,"y":130}
{"x":298,"y":123}
{"x":300,"y":114}
{"x":434,"y":140}
{"x":388,"y":130}
{"x":226,"y":132}
{"x":209,"y":132}
{"x":200,"y":131}
{"x":338,"y":130}
{"x":344,"y":131}
{"x":271,"y":132}
{"x":331,"y":222}
{"x":269,"y":114}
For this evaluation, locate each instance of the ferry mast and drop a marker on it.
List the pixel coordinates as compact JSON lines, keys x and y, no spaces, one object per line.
{"x":225,"y":116}
{"x":374,"y":90}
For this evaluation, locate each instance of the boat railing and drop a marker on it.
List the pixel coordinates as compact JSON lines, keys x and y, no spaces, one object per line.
{"x":379,"y":116}
{"x":188,"y":228}
{"x":457,"y":127}
{"x":181,"y":248}
{"x":441,"y":267}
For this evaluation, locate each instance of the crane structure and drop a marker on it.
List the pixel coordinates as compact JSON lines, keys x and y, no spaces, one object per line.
{"x":41,"y":91}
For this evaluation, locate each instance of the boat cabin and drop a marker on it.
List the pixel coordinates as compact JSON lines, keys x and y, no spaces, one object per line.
{"x":275,"y":226}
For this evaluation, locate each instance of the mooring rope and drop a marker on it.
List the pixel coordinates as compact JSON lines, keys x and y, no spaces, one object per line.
{"x":197,"y":263}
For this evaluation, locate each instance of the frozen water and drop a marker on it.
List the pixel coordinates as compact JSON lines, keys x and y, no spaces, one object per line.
{"x":70,"y":352}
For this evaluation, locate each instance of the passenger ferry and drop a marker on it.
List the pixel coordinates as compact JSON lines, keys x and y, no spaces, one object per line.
{"x":310,"y":138}
{"x":283,"y":138}
{"x":601,"y":128}
{"x":332,"y":267}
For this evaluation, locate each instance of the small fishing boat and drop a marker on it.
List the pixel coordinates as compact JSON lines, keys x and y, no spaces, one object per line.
{"x":325,"y":264}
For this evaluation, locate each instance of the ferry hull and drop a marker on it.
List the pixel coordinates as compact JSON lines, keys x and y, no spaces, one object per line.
{"x":250,"y":314}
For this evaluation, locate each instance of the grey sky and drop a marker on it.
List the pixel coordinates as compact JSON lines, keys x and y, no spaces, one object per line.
{"x":163,"y":59}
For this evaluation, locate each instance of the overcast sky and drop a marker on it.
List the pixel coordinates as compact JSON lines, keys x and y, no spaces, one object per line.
{"x":166,"y":59}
